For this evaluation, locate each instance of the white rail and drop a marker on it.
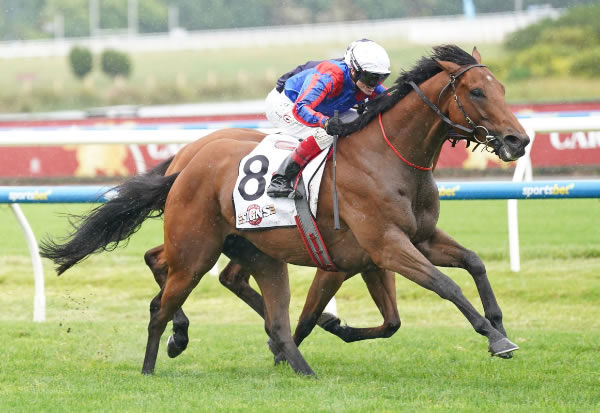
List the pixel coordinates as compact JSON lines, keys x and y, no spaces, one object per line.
{"x":132,"y":137}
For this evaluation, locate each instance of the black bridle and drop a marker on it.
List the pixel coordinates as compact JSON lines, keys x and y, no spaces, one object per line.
{"x":454,"y":136}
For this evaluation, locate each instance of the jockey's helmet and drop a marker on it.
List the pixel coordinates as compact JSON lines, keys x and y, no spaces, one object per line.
{"x":370,"y":62}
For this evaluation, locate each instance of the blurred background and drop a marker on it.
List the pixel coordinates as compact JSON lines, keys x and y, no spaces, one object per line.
{"x":183,"y":67}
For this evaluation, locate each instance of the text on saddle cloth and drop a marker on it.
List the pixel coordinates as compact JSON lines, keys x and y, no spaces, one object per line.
{"x":254,"y":209}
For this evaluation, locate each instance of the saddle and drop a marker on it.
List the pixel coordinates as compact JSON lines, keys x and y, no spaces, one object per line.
{"x":255,"y":210}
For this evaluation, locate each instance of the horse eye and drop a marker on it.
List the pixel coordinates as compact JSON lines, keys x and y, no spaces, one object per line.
{"x":478,"y":93}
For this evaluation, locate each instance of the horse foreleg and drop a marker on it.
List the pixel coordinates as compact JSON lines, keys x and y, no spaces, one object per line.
{"x":399,"y":254}
{"x":235,"y":277}
{"x":442,"y":250}
{"x":177,"y":342}
{"x":323,"y":288}
{"x":382,"y":287}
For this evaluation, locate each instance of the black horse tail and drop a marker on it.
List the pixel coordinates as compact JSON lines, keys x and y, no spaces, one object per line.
{"x":104,"y":227}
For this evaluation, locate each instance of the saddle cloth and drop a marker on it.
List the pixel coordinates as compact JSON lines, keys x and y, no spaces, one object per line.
{"x":254,"y":209}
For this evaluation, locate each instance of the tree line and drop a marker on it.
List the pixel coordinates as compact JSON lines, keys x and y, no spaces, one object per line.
{"x":34,"y":19}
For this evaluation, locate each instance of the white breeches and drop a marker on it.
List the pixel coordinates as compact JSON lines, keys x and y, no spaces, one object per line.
{"x":279,"y":110}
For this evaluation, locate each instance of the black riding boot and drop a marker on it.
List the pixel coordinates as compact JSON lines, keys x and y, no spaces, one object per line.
{"x":280,"y":186}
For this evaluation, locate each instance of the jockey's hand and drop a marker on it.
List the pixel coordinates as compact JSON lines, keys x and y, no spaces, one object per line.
{"x":334,"y":126}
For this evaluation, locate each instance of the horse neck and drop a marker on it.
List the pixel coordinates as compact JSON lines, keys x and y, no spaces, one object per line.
{"x":413,"y":128}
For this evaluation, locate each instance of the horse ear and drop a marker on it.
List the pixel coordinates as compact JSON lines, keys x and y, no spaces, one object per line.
{"x":476,"y":55}
{"x":449,"y":67}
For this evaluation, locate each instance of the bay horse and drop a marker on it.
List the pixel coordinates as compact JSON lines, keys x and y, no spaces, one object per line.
{"x":389,"y":204}
{"x":380,"y":283}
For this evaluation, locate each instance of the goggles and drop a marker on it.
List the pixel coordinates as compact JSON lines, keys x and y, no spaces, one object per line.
{"x":372,"y":79}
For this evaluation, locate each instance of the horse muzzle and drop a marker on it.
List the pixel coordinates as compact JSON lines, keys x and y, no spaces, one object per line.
{"x":510,"y":147}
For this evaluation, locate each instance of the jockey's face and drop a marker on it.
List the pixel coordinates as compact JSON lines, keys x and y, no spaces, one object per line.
{"x":367,"y":82}
{"x":367,"y":90}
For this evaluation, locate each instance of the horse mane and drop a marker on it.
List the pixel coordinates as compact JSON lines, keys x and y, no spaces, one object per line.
{"x":425,"y":68}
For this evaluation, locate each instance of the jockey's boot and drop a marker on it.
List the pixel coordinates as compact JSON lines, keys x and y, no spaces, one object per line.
{"x":280,"y":186}
{"x":281,"y":183}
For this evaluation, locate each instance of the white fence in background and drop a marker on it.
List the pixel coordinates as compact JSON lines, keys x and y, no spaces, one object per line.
{"x":483,"y":28}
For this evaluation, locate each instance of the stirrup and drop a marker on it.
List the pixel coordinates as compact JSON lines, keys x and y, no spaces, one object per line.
{"x":280,"y":188}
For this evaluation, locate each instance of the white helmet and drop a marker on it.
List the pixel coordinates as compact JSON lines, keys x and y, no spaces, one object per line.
{"x":367,"y":56}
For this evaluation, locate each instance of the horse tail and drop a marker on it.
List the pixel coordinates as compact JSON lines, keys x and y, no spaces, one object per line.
{"x":162,"y":167}
{"x":104,"y":227}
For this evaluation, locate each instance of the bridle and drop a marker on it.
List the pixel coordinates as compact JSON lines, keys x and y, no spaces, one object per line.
{"x":470,"y":132}
{"x":453,"y":136}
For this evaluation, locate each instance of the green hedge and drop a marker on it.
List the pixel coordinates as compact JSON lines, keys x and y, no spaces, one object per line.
{"x":81,"y":61}
{"x":562,"y":47}
{"x":587,"y":63}
{"x":115,"y":63}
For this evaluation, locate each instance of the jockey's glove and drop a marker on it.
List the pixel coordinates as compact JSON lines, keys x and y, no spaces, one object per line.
{"x":334,"y":126}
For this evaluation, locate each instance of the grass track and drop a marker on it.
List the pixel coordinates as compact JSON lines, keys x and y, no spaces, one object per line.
{"x":87,"y":356}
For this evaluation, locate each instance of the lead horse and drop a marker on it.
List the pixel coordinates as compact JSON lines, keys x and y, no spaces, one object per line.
{"x":389,"y":204}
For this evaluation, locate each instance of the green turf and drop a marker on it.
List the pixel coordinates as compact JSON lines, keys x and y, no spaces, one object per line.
{"x":87,"y":355}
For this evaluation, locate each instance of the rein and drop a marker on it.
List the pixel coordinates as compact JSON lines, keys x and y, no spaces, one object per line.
{"x":453,"y":136}
{"x":406,"y":161}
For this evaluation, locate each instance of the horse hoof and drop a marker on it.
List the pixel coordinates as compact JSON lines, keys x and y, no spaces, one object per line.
{"x":146,"y":372}
{"x":173,"y":350}
{"x":278,"y":357}
{"x":272,"y":347}
{"x":503,"y":348}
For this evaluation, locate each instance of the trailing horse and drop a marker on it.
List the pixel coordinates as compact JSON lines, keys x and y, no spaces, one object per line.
{"x":380,"y":283}
{"x":389,"y":204}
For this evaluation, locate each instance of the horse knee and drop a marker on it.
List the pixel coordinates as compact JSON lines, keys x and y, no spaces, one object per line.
{"x":232,"y":276}
{"x":226,"y":279}
{"x":155,"y":305}
{"x":390,"y":327}
{"x":473,"y":264}
{"x":157,"y":264}
{"x":152,"y":256}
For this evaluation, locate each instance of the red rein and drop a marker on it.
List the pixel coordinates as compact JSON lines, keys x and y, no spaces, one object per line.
{"x":406,"y":161}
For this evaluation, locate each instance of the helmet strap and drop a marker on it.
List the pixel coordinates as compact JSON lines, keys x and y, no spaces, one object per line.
{"x":355,"y":75}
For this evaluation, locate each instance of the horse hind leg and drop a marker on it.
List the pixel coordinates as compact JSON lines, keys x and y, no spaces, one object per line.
{"x":176,"y":290}
{"x":272,"y":279}
{"x":179,"y":340}
{"x":235,"y":277}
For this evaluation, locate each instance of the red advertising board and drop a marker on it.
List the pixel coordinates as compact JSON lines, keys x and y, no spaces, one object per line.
{"x":549,"y":150}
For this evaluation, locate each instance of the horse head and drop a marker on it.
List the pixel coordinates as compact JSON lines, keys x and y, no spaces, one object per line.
{"x":479,"y":105}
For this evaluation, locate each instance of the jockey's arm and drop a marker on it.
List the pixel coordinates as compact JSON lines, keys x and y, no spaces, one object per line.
{"x":319,"y":86}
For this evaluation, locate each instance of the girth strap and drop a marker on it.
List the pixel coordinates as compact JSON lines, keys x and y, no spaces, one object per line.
{"x":313,"y":241}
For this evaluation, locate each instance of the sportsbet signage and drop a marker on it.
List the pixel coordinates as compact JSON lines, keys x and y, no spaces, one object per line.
{"x":519,"y":190}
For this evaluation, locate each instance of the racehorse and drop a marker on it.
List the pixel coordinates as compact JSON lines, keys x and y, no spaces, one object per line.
{"x":380,"y":283}
{"x":389,"y":204}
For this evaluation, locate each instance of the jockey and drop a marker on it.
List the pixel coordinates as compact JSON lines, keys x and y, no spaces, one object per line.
{"x":304,"y":101}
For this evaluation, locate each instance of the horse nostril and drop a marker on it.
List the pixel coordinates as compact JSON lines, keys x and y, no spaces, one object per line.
{"x":512,"y":140}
